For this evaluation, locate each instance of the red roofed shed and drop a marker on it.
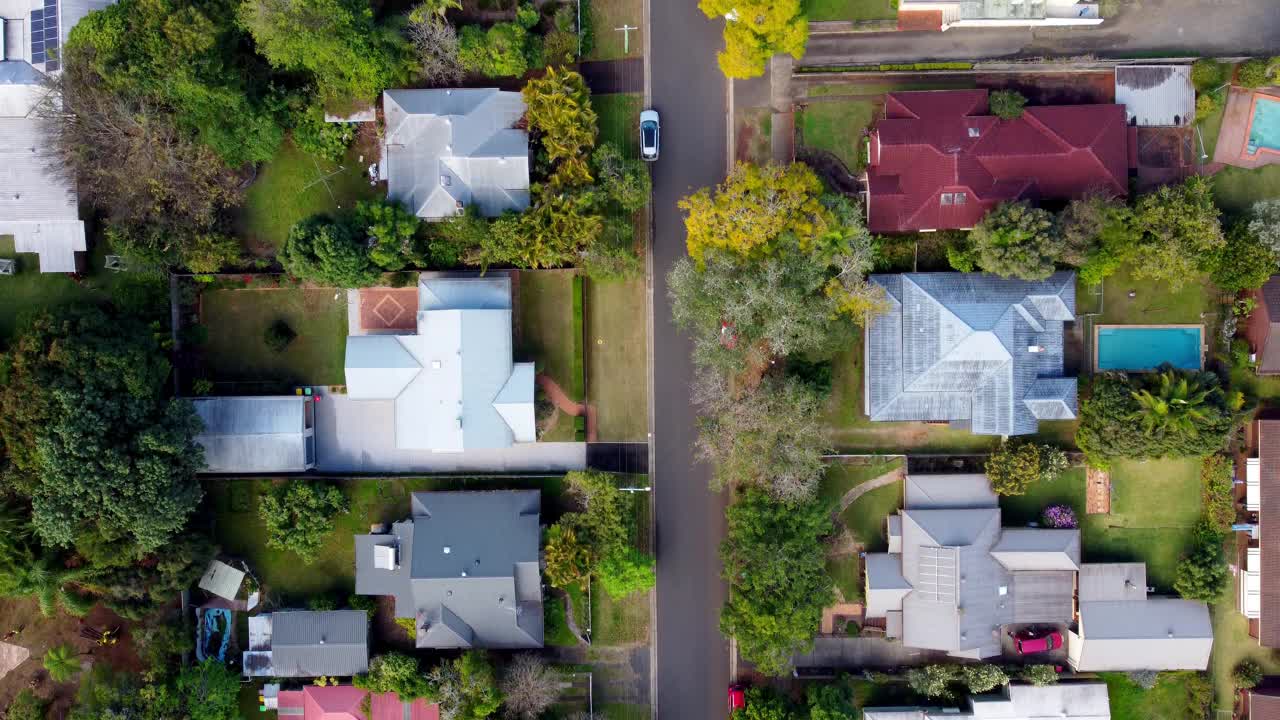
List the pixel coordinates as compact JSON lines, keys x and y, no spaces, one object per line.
{"x":344,"y":702}
{"x":939,"y":161}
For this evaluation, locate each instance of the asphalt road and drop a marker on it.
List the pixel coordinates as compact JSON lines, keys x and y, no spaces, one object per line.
{"x":689,"y":92}
{"x":1145,"y":27}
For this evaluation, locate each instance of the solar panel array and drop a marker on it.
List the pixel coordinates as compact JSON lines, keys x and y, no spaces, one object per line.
{"x":938,"y":568}
{"x":44,"y":35}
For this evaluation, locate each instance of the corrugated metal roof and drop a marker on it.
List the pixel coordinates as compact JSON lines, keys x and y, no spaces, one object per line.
{"x":1156,"y":95}
{"x":1152,"y":634}
{"x":1103,"y":582}
{"x":443,"y":147}
{"x":255,"y":434}
{"x":311,"y":644}
{"x":1064,"y":701}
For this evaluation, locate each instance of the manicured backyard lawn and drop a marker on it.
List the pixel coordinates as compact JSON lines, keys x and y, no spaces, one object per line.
{"x":865,"y":518}
{"x":841,"y":477}
{"x":1232,"y":644}
{"x":819,"y":10}
{"x":1155,"y":302}
{"x":240,"y":532}
{"x":846,"y":573}
{"x":1168,"y":700}
{"x":237,"y":319}
{"x":544,"y":334}
{"x":1145,"y":525}
{"x":618,"y":118}
{"x":617,"y":356}
{"x":837,"y":127}
{"x":1236,"y":189}
{"x":290,"y":188}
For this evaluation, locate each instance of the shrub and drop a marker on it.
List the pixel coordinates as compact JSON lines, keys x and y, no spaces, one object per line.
{"x":527,"y":15}
{"x":279,"y":335}
{"x":1013,"y":466}
{"x":933,"y":680}
{"x":1203,"y":574}
{"x":984,"y":678}
{"x":409,"y":625}
{"x":321,"y":603}
{"x":1039,"y":674}
{"x":1206,"y":105}
{"x":299,"y":515}
{"x":1247,"y":674}
{"x":1060,"y":517}
{"x":1216,"y":491}
{"x":496,"y":52}
{"x":1007,"y":104}
{"x":1207,"y":74}
{"x":625,"y":572}
{"x":323,"y":139}
{"x":328,"y":251}
{"x":1145,"y":679}
{"x":1254,"y":73}
{"x":367,"y":603}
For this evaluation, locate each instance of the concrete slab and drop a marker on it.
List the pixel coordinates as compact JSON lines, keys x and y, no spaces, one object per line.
{"x":11,"y":656}
{"x":358,"y":436}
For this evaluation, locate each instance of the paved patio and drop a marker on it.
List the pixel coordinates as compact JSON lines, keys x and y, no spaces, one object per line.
{"x":358,"y":436}
{"x":1232,"y":148}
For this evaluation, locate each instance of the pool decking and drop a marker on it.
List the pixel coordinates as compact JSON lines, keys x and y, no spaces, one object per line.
{"x":1233,"y":139}
{"x":1188,"y":326}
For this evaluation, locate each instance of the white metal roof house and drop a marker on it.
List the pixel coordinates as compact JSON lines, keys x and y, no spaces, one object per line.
{"x":977,"y":350}
{"x":453,"y":384}
{"x":1156,"y":95}
{"x":446,"y":150}
{"x":261,"y":434}
{"x":465,"y":566}
{"x":954,"y":578}
{"x":304,"y":643}
{"x":1006,"y":13}
{"x":38,"y":206}
{"x":1062,"y":701}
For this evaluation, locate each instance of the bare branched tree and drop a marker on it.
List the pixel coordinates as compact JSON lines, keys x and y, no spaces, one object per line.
{"x":436,"y":45}
{"x":530,"y":687}
{"x":126,"y":155}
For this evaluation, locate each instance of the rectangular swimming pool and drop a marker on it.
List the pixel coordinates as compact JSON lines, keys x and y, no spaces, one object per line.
{"x":1144,"y":347}
{"x":1264,"y":126}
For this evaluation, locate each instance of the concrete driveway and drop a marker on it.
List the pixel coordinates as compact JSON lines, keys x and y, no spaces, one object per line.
{"x":358,"y":436}
{"x":1144,"y":27}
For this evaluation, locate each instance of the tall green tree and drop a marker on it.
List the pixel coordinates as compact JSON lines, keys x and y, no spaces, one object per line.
{"x":395,"y":673}
{"x":329,"y":251}
{"x":299,"y":516}
{"x":1017,"y":240}
{"x":754,"y":210}
{"x":46,"y":577}
{"x":209,"y":690}
{"x":1243,"y":262}
{"x":1177,"y":228}
{"x":335,"y":41}
{"x":778,"y":584}
{"x":1203,"y":574}
{"x":1173,"y":404}
{"x":391,"y":231}
{"x":560,"y":115}
{"x":98,"y":446}
{"x":466,"y":687}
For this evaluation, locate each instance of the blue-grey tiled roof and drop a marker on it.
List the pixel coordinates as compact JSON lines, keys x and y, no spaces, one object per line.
{"x":971,"y":347}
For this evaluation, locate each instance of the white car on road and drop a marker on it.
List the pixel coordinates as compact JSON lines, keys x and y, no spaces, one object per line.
{"x":649,"y":134}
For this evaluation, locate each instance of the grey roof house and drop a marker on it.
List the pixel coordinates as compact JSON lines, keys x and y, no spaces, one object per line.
{"x":271,"y":434}
{"x":446,"y":150}
{"x":465,"y":566}
{"x":953,"y":579}
{"x":1062,"y":701}
{"x":452,"y":385}
{"x":974,"y":349}
{"x":301,"y":643}
{"x":38,"y":206}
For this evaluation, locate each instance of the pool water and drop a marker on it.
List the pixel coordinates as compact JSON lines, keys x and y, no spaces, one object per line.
{"x":1139,"y":348}
{"x":1264,"y":131}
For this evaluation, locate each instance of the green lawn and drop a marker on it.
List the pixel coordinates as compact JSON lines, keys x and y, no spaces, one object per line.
{"x":237,"y":319}
{"x":846,"y":572}
{"x":819,"y":10}
{"x":1144,"y":524}
{"x":544,"y":334}
{"x":606,"y":15}
{"x":1232,"y":644}
{"x":1208,"y":130}
{"x":841,"y":477}
{"x":618,"y":621}
{"x":618,"y":117}
{"x":1155,"y":301}
{"x":290,"y":188}
{"x":240,"y":532}
{"x":837,"y":128}
{"x":30,"y":291}
{"x":617,"y":358}
{"x":1236,"y":189}
{"x":1166,"y":701}
{"x":555,"y":627}
{"x":865,"y":518}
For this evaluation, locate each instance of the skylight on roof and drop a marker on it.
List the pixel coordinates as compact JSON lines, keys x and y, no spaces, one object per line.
{"x":974,"y":132}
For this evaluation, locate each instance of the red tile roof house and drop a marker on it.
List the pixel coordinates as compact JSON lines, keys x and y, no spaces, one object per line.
{"x":344,"y":702}
{"x":940,"y":161}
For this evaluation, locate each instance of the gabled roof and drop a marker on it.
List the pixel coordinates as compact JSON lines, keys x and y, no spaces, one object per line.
{"x":300,"y":643}
{"x":468,"y":569}
{"x":971,"y":347}
{"x":255,"y":434}
{"x":344,"y":702}
{"x":933,"y":144}
{"x":454,"y":384}
{"x":1151,"y":634}
{"x":1156,"y":95}
{"x":1038,"y":549}
{"x":449,"y":147}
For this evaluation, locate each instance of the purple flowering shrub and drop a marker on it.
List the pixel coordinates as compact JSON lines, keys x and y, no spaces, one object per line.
{"x":1060,"y":516}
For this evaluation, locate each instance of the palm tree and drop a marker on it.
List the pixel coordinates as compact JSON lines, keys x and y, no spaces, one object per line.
{"x":62,"y":663}
{"x":1177,"y":405}
{"x":47,"y":578}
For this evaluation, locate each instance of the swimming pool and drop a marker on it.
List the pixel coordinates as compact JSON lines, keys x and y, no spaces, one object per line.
{"x":1145,"y":347}
{"x":1264,"y":127}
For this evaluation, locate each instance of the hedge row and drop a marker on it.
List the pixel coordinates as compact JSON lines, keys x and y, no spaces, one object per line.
{"x":888,"y":67}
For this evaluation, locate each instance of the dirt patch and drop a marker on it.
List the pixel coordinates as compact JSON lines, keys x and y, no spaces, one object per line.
{"x":1165,"y":156}
{"x":831,"y":169}
{"x":1055,"y":88}
{"x":1097,"y":492}
{"x":387,"y":635}
{"x":753,"y":135}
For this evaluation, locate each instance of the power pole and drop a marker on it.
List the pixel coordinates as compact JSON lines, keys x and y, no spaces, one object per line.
{"x":626,"y":37}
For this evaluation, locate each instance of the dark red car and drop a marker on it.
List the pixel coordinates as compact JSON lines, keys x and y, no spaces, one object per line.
{"x":1029,"y":642}
{"x":737,"y":697}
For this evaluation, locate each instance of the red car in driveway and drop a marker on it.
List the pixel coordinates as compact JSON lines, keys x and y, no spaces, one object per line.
{"x":1029,"y":642}
{"x":737,"y":697}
